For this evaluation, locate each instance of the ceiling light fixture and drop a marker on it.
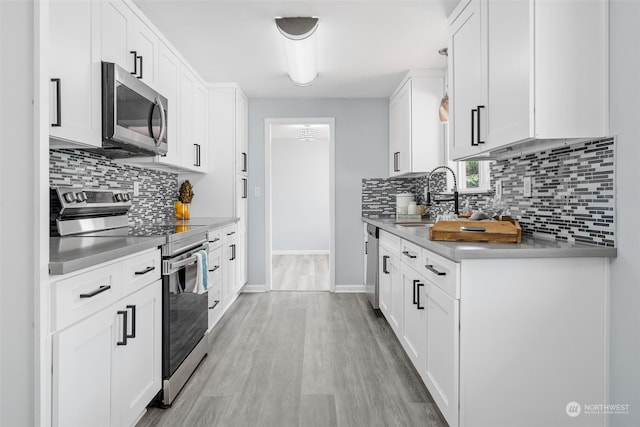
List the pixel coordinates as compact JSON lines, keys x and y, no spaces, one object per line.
{"x":307,"y":134}
{"x":300,"y":48}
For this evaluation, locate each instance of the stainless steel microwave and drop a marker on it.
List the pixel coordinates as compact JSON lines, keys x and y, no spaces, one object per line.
{"x":134,"y":116}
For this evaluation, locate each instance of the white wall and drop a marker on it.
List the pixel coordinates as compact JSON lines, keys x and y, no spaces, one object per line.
{"x":361,"y":144}
{"x":625,"y":275}
{"x":300,"y":195}
{"x":18,"y":260}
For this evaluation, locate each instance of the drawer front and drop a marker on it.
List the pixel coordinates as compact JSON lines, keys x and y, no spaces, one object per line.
{"x":215,"y":302}
{"x":85,"y":294}
{"x":391,"y":242}
{"x":215,"y":238}
{"x":442,"y":272}
{"x":411,"y":254}
{"x":214,"y":264}
{"x":229,"y":233}
{"x":140,"y":270}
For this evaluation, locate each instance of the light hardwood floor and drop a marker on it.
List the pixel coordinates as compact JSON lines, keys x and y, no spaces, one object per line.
{"x":300,"y":273}
{"x":302,"y":359}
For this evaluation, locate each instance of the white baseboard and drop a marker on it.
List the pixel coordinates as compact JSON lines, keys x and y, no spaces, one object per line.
{"x":251,"y":288}
{"x":301,"y":252}
{"x":346,"y":289}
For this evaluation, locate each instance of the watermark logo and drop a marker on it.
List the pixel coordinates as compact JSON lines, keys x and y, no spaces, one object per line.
{"x":573,"y":409}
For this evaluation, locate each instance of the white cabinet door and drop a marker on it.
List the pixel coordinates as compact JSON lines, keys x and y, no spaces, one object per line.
{"x":466,"y":80}
{"x":400,"y":131}
{"x":146,"y":44}
{"x":229,"y":278}
{"x":187,"y":81}
{"x":414,"y":339}
{"x":200,"y":139}
{"x":75,"y":70}
{"x":139,"y":373}
{"x":168,"y":85}
{"x":83,"y":367}
{"x":384,"y":282}
{"x":116,"y":29}
{"x":242,"y":138}
{"x":442,"y":350}
{"x":396,"y":318}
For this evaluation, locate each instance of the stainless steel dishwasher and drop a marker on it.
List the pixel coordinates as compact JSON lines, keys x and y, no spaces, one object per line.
{"x":371,"y":250}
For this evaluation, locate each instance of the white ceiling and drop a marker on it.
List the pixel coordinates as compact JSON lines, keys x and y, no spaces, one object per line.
{"x":364,"y":47}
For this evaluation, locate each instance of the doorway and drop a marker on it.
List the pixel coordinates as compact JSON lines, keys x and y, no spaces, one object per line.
{"x":299,"y":204}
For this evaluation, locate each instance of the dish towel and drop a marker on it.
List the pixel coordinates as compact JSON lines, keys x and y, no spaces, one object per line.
{"x":201,"y":275}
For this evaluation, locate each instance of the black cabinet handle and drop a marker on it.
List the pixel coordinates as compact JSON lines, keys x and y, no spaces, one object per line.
{"x":231,"y":234}
{"x":100,"y":290}
{"x":396,"y":161}
{"x":214,"y":268}
{"x":216,"y":302}
{"x":233,"y":253}
{"x":406,"y":253}
{"x":244,"y":162}
{"x":141,"y":61}
{"x":214,"y":240}
{"x":124,"y":327}
{"x":135,"y":62}
{"x":133,"y":322}
{"x":434,"y":271}
{"x":478,"y":125}
{"x":420,"y":307}
{"x":196,"y":162}
{"x":366,"y":248}
{"x":58,"y":121}
{"x":414,"y":291}
{"x":473,"y":127}
{"x":384,"y":264}
{"x":244,"y":188}
{"x":145,"y":271}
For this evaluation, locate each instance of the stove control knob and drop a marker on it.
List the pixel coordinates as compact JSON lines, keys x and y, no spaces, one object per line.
{"x":118,"y":197}
{"x":69,"y":197}
{"x":81,"y":196}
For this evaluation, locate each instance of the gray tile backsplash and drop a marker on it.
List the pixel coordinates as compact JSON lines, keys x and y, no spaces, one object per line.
{"x":78,"y":168}
{"x":573,"y":193}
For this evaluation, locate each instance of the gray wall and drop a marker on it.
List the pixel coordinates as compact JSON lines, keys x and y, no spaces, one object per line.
{"x":361,"y":138}
{"x":19,"y":264}
{"x":625,"y":274}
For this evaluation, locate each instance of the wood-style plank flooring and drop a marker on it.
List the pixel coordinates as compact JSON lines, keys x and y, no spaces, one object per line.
{"x":300,"y":273}
{"x":301,"y":359}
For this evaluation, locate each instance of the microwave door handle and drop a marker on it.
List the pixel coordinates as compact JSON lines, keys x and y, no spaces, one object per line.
{"x":163,"y":119}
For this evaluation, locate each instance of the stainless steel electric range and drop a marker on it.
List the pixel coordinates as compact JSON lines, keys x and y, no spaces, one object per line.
{"x":96,"y":213}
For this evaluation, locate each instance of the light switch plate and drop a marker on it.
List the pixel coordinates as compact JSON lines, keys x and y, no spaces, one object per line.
{"x":527,"y":186}
{"x":256,"y":192}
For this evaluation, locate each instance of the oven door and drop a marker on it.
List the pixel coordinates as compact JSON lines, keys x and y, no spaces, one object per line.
{"x":134,"y":115}
{"x":184,"y":314}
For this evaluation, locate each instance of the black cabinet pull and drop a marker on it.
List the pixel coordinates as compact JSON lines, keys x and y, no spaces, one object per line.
{"x":196,"y":162}
{"x":478,"y":124}
{"x":366,"y":248}
{"x":214,"y":268}
{"x":420,"y":307}
{"x":124,"y":327}
{"x":135,"y":62}
{"x":473,"y":127}
{"x":214,"y":240}
{"x":216,"y":302}
{"x":145,"y":271}
{"x":384,"y":264}
{"x":133,"y":322}
{"x":414,"y":291}
{"x":58,"y":121}
{"x":244,"y":162}
{"x":100,"y":290}
{"x":396,"y":161}
{"x":233,"y":252}
{"x":244,"y":188}
{"x":141,"y":61}
{"x":434,"y":271}
{"x":406,"y":253}
{"x":231,"y":234}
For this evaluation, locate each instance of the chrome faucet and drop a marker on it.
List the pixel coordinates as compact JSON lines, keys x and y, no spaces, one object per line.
{"x":455,"y":198}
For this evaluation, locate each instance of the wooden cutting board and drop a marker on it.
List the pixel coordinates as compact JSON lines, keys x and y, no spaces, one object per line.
{"x":507,"y":231}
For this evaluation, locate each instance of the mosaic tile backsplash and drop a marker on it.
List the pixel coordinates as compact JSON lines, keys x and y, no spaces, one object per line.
{"x":573,"y":196}
{"x":78,"y":168}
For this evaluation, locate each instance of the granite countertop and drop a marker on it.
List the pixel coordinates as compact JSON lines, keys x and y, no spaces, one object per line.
{"x":72,"y":253}
{"x":530,"y":247}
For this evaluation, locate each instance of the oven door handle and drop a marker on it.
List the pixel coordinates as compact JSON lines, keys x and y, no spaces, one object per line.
{"x":172,"y":266}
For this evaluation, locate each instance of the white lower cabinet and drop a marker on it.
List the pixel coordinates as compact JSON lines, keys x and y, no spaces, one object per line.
{"x":414,"y":339}
{"x":384,"y":281}
{"x":107,"y":365}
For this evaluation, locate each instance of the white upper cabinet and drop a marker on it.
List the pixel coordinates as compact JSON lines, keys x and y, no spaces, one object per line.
{"x":74,"y":65}
{"x":526,"y":70}
{"x":416,"y":136}
{"x":242,"y":137}
{"x":200,"y":111}
{"x":129,"y":42}
{"x":169,"y":86}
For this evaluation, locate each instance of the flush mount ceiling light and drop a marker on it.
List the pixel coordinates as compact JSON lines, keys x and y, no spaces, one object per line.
{"x":300,"y":48}
{"x":307,"y":134}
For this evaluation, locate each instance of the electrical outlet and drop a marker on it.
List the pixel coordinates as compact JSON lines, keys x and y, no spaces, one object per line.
{"x":499,"y":187}
{"x":527,"y":186}
{"x":136,"y":189}
{"x":256,"y":192}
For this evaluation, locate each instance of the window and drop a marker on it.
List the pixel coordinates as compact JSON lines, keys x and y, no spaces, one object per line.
{"x":473,"y":175}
